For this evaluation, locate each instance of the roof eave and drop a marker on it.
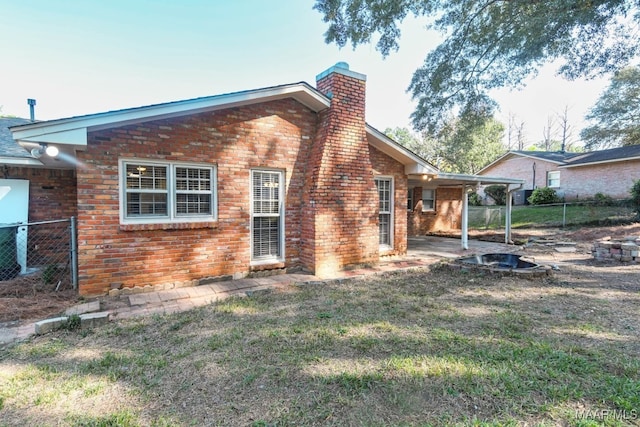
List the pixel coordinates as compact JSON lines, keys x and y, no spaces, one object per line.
{"x":626,"y":159}
{"x":413,"y":164}
{"x":476,"y":179}
{"x":20,"y":161}
{"x":73,"y":131}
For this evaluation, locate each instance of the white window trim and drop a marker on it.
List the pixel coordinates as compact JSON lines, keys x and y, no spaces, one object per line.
{"x":172,"y":216}
{"x":410,"y":202}
{"x":556,"y":173}
{"x":388,"y":247}
{"x":432,"y":209}
{"x":282,"y":214}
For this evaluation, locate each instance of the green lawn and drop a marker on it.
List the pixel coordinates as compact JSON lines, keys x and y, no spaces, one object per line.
{"x":424,"y":348}
{"x":548,"y":216}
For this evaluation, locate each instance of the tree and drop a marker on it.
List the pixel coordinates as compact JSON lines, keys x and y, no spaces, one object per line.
{"x":469,"y":143}
{"x":465,"y":144}
{"x":566,"y":130}
{"x":426,"y":147}
{"x":498,"y":193}
{"x":547,"y":135}
{"x":515,"y":135}
{"x":411,"y":141}
{"x":615,"y":117}
{"x":490,"y":43}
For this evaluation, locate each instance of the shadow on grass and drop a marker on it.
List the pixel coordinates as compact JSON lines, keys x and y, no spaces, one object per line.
{"x":428,"y":348}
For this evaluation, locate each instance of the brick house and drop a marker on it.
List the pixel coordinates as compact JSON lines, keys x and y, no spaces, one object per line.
{"x":573,"y":175}
{"x":285,"y":177}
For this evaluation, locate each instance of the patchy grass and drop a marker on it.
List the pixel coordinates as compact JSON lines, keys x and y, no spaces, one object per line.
{"x":424,"y":348}
{"x":550,"y":215}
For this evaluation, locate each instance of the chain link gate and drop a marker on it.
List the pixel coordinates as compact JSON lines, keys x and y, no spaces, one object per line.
{"x":38,"y":255}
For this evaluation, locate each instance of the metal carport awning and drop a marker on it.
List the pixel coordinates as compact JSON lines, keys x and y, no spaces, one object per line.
{"x":467,"y":182}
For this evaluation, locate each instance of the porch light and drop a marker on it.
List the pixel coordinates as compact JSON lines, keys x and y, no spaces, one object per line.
{"x":52,"y":150}
{"x":49,"y":150}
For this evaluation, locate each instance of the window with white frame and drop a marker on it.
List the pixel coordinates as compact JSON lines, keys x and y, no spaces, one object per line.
{"x":267,"y":228}
{"x":385,"y":211}
{"x":428,"y":200}
{"x":553,"y":179}
{"x":410,"y":199}
{"x":156,"y":192}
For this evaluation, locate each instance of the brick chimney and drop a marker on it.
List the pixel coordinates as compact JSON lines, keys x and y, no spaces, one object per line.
{"x":340,"y":226}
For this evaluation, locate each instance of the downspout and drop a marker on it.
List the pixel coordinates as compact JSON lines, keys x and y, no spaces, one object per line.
{"x":507,"y":215}
{"x":533,"y":181}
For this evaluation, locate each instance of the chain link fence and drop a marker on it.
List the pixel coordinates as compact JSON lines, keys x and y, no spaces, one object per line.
{"x":552,"y":215}
{"x":38,"y":255}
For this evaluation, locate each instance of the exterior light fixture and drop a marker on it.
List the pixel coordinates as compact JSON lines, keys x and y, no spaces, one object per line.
{"x":49,"y":150}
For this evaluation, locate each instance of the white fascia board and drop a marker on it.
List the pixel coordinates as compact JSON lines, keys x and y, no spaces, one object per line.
{"x":482,"y":180}
{"x":20,"y":161}
{"x":419,"y":169}
{"x":76,"y":137}
{"x":413,"y":163}
{"x":68,"y":131}
{"x":599,"y":163}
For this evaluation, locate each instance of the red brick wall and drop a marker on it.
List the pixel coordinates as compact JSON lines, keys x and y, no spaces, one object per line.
{"x":341,"y":217}
{"x":52,"y":196}
{"x":518,"y":167}
{"x":270,"y":135}
{"x":52,"y":192}
{"x":612,"y":179}
{"x":446,"y":216}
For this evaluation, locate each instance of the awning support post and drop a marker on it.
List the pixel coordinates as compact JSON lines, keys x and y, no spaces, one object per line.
{"x":465,"y":218}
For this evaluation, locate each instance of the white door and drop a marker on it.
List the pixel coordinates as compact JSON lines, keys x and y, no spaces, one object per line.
{"x":14,"y":208}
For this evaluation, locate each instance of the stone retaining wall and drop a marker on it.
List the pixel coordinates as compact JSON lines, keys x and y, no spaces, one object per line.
{"x":626,"y":250}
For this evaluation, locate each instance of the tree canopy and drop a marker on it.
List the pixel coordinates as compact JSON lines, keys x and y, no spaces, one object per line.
{"x":615,"y":118}
{"x":470,"y":142}
{"x":490,"y":43}
{"x":465,"y":144}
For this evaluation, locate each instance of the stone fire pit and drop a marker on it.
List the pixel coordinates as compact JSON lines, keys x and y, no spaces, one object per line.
{"x":626,"y":250}
{"x":502,"y":263}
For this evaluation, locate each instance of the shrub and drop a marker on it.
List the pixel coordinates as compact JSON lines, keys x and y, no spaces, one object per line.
{"x":475,"y":199}
{"x":543,"y":196}
{"x":635,"y":198}
{"x":498,"y":193}
{"x":603,"y":200}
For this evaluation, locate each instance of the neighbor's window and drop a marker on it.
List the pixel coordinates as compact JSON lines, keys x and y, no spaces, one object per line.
{"x":553,"y":179}
{"x":161,"y":192}
{"x":428,"y":200}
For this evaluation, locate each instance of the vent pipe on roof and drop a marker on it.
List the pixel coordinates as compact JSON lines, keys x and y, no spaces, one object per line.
{"x":32,"y":109}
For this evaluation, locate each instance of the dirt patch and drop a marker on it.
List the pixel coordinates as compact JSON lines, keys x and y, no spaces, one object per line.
{"x":22,"y":300}
{"x":580,"y":235}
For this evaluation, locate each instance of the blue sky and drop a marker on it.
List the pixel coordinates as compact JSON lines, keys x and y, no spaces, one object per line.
{"x":80,"y":57}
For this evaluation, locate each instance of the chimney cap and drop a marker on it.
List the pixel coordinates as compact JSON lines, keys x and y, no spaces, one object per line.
{"x":341,"y":68}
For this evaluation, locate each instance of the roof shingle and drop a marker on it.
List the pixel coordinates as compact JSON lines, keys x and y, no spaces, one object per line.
{"x":9,"y":147}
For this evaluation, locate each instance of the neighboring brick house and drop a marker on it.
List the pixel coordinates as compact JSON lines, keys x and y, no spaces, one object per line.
{"x":573,"y":175}
{"x":285,"y":177}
